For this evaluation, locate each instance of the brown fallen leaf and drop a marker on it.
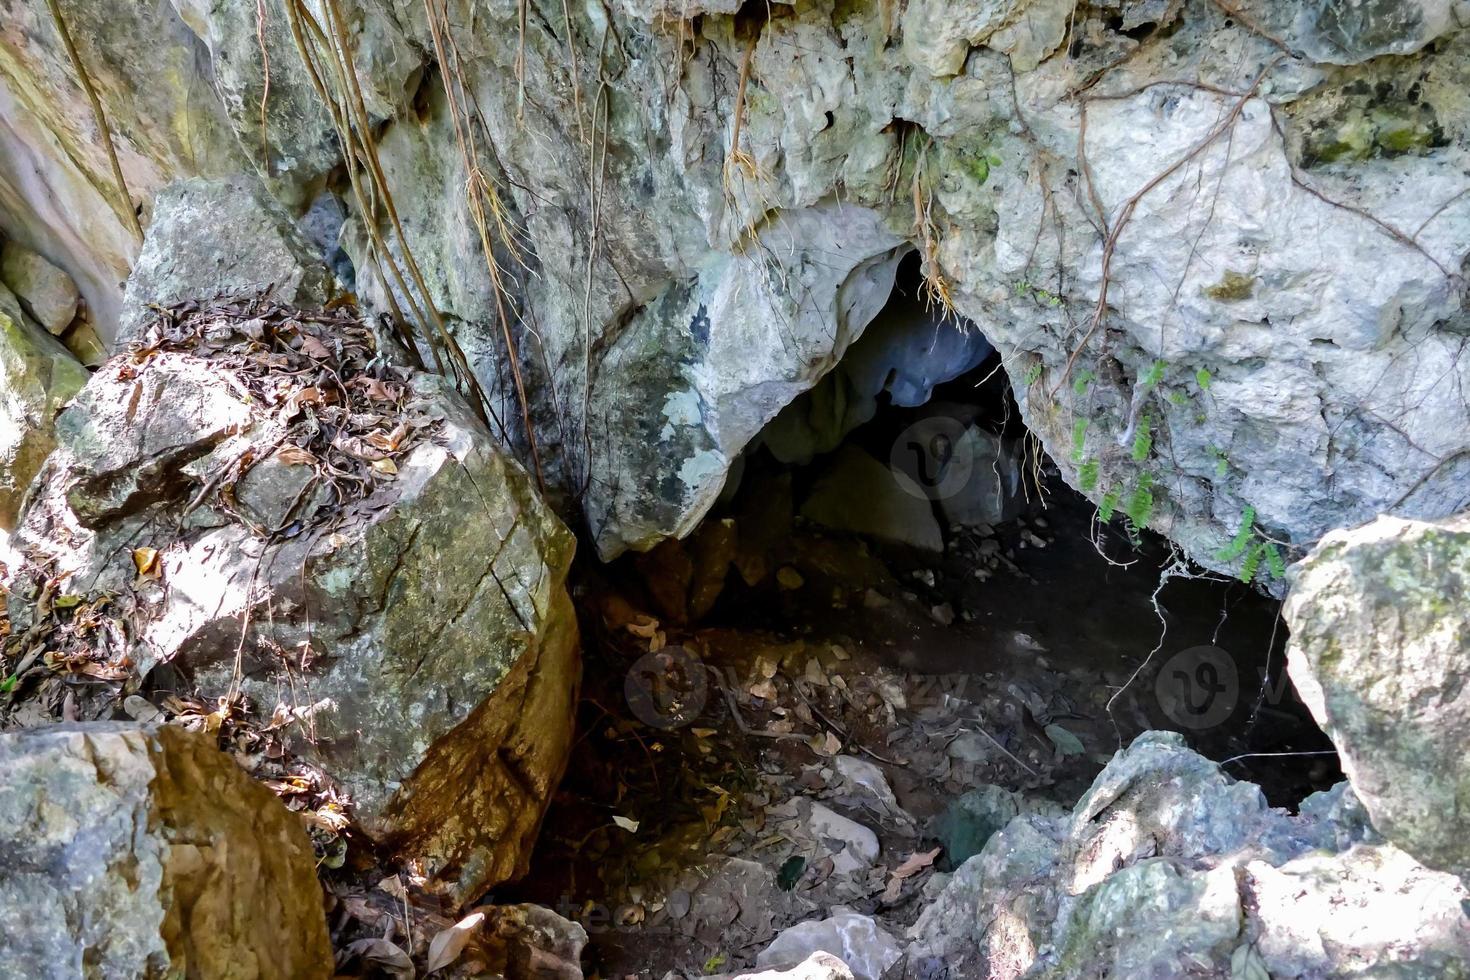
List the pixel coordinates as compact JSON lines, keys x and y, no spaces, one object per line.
{"x":916,"y":862}
{"x":295,"y":456}
{"x":384,"y":467}
{"x":313,"y":347}
{"x":445,"y":948}
{"x":146,"y":561}
{"x":912,"y":865}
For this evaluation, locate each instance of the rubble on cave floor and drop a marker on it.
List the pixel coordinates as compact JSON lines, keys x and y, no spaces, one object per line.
{"x":840,"y":737}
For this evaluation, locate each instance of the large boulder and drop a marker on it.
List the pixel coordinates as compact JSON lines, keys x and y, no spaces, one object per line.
{"x":1380,"y":652}
{"x":145,"y":852}
{"x":222,"y":236}
{"x":37,"y":377}
{"x":1168,"y":867}
{"x":315,"y":530}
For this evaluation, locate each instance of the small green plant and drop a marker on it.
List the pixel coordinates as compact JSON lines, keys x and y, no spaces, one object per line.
{"x":1108,"y":507}
{"x":1253,"y":548}
{"x":1143,"y":439}
{"x":1222,"y":462}
{"x":1204,"y":379}
{"x":1153,"y":375}
{"x":1139,"y":507}
{"x":1087,"y":476}
{"x":1032,"y":374}
{"x":1079,"y":439}
{"x":1084,"y":378}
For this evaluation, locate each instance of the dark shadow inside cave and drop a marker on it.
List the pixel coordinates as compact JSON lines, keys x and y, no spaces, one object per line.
{"x":896,"y":554}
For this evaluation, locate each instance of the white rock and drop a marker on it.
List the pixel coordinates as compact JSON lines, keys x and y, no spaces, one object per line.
{"x":855,"y":939}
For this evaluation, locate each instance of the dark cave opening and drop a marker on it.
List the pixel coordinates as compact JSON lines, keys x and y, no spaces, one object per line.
{"x":900,"y":514}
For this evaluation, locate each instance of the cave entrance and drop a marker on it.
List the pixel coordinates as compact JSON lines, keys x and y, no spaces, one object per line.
{"x":896,"y":581}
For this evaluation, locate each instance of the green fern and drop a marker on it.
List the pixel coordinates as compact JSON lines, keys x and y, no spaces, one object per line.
{"x":1109,"y":504}
{"x":1032,"y":374}
{"x":1274,"y":562}
{"x":1154,"y":375}
{"x":1079,"y":439}
{"x":1083,"y":379}
{"x":1140,"y":505}
{"x":1087,"y":476}
{"x":1143,"y":440}
{"x":1252,"y":563}
{"x":1237,"y":544}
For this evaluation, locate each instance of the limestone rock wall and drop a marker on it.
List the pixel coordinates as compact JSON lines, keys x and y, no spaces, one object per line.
{"x":1222,"y":255}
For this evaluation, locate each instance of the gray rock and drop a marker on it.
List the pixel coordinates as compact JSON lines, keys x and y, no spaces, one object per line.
{"x":47,"y":293}
{"x":37,"y":377}
{"x":220,"y":237}
{"x":1290,"y":362}
{"x":853,"y":847}
{"x":132,"y":851}
{"x":707,"y":363}
{"x":858,"y":493}
{"x":1380,"y":625}
{"x":443,"y":641}
{"x":992,"y":492}
{"x":1148,"y":877}
{"x":528,"y":940}
{"x":859,"y":942}
{"x":907,"y":350}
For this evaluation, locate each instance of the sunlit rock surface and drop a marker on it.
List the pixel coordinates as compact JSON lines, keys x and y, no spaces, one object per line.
{"x":1232,"y":303}
{"x":419,"y":636}
{"x":145,"y":852}
{"x":1380,"y":631}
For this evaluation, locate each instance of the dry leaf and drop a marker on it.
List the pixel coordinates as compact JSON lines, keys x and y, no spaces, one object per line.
{"x":146,"y":561}
{"x":916,"y":862}
{"x":314,"y":348}
{"x":394,"y":886}
{"x":643,"y":629}
{"x":446,"y":947}
{"x":295,"y":456}
{"x":384,"y":467}
{"x":382,"y":954}
{"x":631,"y":826}
{"x":825,"y":744}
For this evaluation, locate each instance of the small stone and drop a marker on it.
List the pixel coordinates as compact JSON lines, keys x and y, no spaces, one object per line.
{"x":789,"y":578}
{"x":47,"y":293}
{"x":677,"y":903}
{"x":943,"y":614}
{"x":857,"y":845}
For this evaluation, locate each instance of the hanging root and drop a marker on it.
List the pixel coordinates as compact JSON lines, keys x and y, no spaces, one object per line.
{"x":737,"y":158}
{"x":98,"y":115}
